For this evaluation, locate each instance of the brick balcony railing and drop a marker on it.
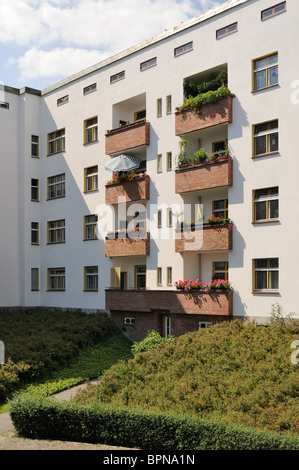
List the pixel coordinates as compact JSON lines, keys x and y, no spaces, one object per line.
{"x":197,"y":177}
{"x":206,"y":238}
{"x":127,"y":137}
{"x":127,"y":246}
{"x":210,"y":115}
{"x":137,"y":190}
{"x":218,"y":302}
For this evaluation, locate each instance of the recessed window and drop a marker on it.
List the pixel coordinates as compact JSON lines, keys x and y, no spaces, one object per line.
{"x":169,"y":276}
{"x":159,"y":276}
{"x":184,"y":48}
{"x":56,"y":186}
{"x":91,"y":178}
{"x":34,"y":279}
{"x":220,"y":208}
{"x":169,"y":161}
{"x":159,"y":107}
{"x":63,"y":100}
{"x":34,"y":233}
{"x":265,"y":72}
{"x":56,"y":231}
{"x":205,"y":324}
{"x":220,"y":270}
{"x":148,"y":63}
{"x":34,"y":189}
{"x":56,"y":279}
{"x":89,"y":89}
{"x":34,"y":146}
{"x":159,"y":163}
{"x":91,"y":278}
{"x":272,"y":11}
{"x":138,"y":116}
{"x":169,"y":217}
{"x":168,"y":104}
{"x":129,"y":321}
{"x":56,"y":141}
{"x":266,"y":204}
{"x":4,"y":105}
{"x":116,"y":77}
{"x":232,"y":28}
{"x":159,"y":218}
{"x":266,"y":275}
{"x":91,"y":227}
{"x":265,"y":138}
{"x":91,"y":130}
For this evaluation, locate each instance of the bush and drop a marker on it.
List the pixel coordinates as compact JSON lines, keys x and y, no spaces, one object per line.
{"x":48,"y":419}
{"x":152,"y":340}
{"x":11,"y":375}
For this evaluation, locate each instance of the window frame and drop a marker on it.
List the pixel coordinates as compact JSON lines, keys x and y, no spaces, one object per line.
{"x":265,"y":68}
{"x":89,"y":89}
{"x":273,"y":11}
{"x":159,"y":163}
{"x":90,"y":225}
{"x":55,"y":227}
{"x":227,"y":33}
{"x":159,"y":107}
{"x":4,"y":105}
{"x":93,"y":276}
{"x":36,"y":271}
{"x":169,"y":104}
{"x":267,"y":199}
{"x":268,"y":270}
{"x":91,"y":127}
{"x":55,"y":140}
{"x":267,"y":133}
{"x":34,"y":233}
{"x":58,"y":275}
{"x":184,"y":50}
{"x":56,"y":183}
{"x":169,"y":161}
{"x":224,"y":210}
{"x":159,"y":218}
{"x":116,"y":77}
{"x":34,"y":189}
{"x":147,"y":64}
{"x":169,"y":275}
{"x":215,"y":270}
{"x":63,"y":100}
{"x":34,"y":145}
{"x":129,"y":321}
{"x":93,"y":177}
{"x":159,"y":276}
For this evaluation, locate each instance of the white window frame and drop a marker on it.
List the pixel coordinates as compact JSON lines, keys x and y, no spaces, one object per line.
{"x":227,"y":30}
{"x":56,"y":231}
{"x":265,"y":133}
{"x":273,"y":12}
{"x":89,"y":89}
{"x":117,"y":77}
{"x":148,"y":64}
{"x":63,"y":100}
{"x":265,"y":68}
{"x":56,"y":142}
{"x":56,"y":186}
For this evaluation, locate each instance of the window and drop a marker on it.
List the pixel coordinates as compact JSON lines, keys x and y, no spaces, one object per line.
{"x":56,"y":186}
{"x":34,"y":233}
{"x":129,"y":320}
{"x":34,"y":146}
{"x":205,"y":324}
{"x":169,"y":276}
{"x":91,"y":178}
{"x":91,"y":278}
{"x":62,"y":100}
{"x":159,"y":276}
{"x":169,"y":161}
{"x":56,"y":142}
{"x":56,"y":231}
{"x":90,"y":130}
{"x":4,"y":105}
{"x":34,"y":189}
{"x":116,"y":77}
{"x":140,"y":277}
{"x":169,"y":217}
{"x":90,"y":227}
{"x":56,"y":279}
{"x":220,"y":270}
{"x":275,"y":10}
{"x":266,"y":274}
{"x":159,"y":163}
{"x":148,"y":63}
{"x":232,"y":28}
{"x":265,"y":138}
{"x":34,"y":279}
{"x":89,"y":89}
{"x":159,"y":218}
{"x":219,"y":148}
{"x":265,"y":72}
{"x":220,"y":208}
{"x":168,"y":104}
{"x":266,"y":204}
{"x":182,"y":49}
{"x":139,"y":116}
{"x":159,"y":107}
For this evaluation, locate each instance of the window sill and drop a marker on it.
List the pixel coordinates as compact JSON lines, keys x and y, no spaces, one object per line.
{"x":55,"y":290}
{"x":265,"y":221}
{"x":56,"y":243}
{"x":90,"y":290}
{"x":92,"y":142}
{"x":91,"y":191}
{"x":261,"y":155}
{"x":89,"y":239}
{"x":55,"y":153}
{"x":53,"y":198}
{"x":265,"y":88}
{"x":263,"y":292}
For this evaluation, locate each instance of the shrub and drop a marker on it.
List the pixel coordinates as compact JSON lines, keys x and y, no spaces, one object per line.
{"x":48,"y":419}
{"x":11,"y":375}
{"x":152,"y":340}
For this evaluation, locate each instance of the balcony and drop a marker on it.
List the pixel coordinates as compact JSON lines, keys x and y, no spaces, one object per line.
{"x":206,"y":238}
{"x":136,"y":190}
{"x":196,"y":177}
{"x":218,"y":302}
{"x":127,"y":137}
{"x":212,"y":114}
{"x":128,"y":245}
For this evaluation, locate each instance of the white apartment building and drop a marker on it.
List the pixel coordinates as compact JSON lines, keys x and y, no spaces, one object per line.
{"x":57,"y":208}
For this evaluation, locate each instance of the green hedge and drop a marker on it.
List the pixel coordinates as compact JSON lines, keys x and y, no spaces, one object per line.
{"x":46,"y":418}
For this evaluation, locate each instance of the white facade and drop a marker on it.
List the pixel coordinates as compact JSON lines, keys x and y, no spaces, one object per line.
{"x":32,"y":113}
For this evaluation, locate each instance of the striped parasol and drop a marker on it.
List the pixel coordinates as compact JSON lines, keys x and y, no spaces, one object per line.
{"x":123,"y":163}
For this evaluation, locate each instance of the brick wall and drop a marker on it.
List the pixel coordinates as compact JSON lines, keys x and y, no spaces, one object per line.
{"x":137,"y":190}
{"x":171,"y":301}
{"x":127,"y":137}
{"x":204,"y":176}
{"x":210,"y":238}
{"x":210,"y":115}
{"x":127,"y":246}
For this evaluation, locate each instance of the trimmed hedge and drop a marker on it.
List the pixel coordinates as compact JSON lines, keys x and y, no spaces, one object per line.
{"x":46,"y":418}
